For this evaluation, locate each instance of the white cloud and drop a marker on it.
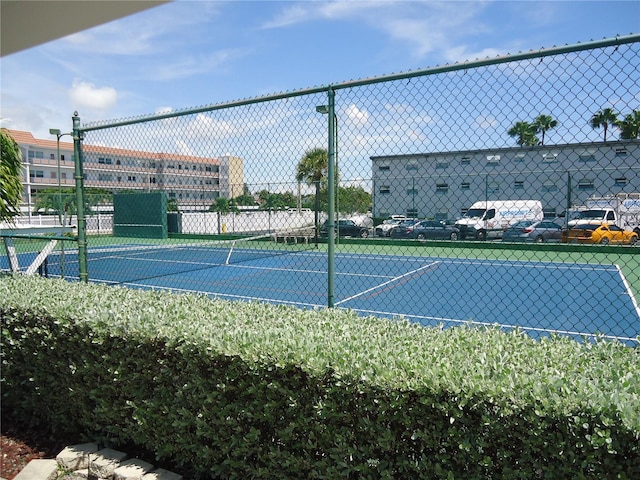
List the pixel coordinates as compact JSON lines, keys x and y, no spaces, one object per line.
{"x":196,"y":64}
{"x":357,"y":116}
{"x":290,"y":16}
{"x":85,"y":94}
{"x":485,"y":122}
{"x":149,"y":32}
{"x":425,"y":26}
{"x":183,"y":148}
{"x":460,"y":53}
{"x":163,"y":110}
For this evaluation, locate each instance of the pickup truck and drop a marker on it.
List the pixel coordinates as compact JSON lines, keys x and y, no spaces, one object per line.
{"x":622,"y":210}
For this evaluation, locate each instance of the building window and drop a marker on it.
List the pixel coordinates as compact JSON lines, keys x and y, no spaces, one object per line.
{"x":621,"y":181}
{"x":518,"y":185}
{"x":588,"y":155}
{"x":131,"y":178}
{"x":493,"y":159}
{"x":412,"y":191}
{"x":519,"y":157}
{"x":32,"y":154}
{"x":207,"y":169}
{"x":549,"y":187}
{"x":621,"y":152}
{"x":384,"y":168}
{"x":585,"y":185}
{"x":384,"y":189}
{"x":549,"y":157}
{"x":105,"y":177}
{"x":442,"y":165}
{"x":52,"y":156}
{"x":105,"y":160}
{"x":411,"y":167}
{"x":62,"y":157}
{"x":465,"y":160}
{"x":465,"y":186}
{"x":53,"y":175}
{"x":412,"y":212}
{"x":36,"y":173}
{"x":442,"y":187}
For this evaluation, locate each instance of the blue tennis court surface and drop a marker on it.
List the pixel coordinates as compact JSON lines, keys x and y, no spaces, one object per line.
{"x":536,"y":296}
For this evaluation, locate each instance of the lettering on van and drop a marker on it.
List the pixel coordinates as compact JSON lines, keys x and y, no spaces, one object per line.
{"x":514,"y":213}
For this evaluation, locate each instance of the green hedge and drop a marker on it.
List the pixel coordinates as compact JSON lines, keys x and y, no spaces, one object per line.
{"x":246,"y":390}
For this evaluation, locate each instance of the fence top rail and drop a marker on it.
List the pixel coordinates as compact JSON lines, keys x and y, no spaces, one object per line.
{"x":541,"y":53}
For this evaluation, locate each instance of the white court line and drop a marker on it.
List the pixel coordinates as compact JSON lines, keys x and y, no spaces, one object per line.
{"x":629,"y":292}
{"x":378,"y":313}
{"x":395,"y":279}
{"x":223,"y":295}
{"x":530,"y":264}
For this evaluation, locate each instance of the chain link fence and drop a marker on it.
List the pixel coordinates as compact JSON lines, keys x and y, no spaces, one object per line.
{"x":450,"y":195}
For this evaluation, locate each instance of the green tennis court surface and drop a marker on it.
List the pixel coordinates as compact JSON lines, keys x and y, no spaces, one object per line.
{"x":538,"y":296}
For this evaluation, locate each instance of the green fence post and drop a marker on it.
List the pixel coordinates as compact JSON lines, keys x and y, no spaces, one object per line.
{"x":82,"y":223}
{"x":331,"y":198}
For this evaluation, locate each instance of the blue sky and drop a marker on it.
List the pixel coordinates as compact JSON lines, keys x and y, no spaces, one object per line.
{"x":191,"y":53}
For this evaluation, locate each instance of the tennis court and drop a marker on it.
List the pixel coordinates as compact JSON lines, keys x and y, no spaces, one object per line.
{"x":533,"y":295}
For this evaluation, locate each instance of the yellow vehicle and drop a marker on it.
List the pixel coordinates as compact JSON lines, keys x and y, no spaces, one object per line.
{"x":602,"y":233}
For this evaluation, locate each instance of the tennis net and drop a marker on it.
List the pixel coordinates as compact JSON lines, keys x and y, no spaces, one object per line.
{"x":128,"y":261}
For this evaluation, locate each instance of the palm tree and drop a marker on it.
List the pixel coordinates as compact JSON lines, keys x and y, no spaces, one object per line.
{"x":10,"y":185}
{"x":543,"y":123}
{"x":525,"y":134}
{"x":630,"y":126}
{"x":604,"y":118}
{"x":312,"y":169}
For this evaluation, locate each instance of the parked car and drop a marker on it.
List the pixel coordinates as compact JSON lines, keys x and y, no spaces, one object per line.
{"x":603,"y":234}
{"x":427,"y":229}
{"x":384,"y":229}
{"x":409,"y":222}
{"x":533,"y":231}
{"x":346,"y":228}
{"x":435,"y":230}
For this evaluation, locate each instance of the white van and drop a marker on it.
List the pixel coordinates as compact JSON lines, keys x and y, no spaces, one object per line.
{"x":488,"y":219}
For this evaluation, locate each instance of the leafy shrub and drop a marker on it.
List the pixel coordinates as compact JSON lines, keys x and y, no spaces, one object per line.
{"x":235,"y":390}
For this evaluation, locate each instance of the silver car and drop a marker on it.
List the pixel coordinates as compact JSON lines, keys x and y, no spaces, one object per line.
{"x":384,"y":229}
{"x":533,"y":231}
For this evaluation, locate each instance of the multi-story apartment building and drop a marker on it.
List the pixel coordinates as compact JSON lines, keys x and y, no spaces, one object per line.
{"x":190,"y":180}
{"x":443,"y":185}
